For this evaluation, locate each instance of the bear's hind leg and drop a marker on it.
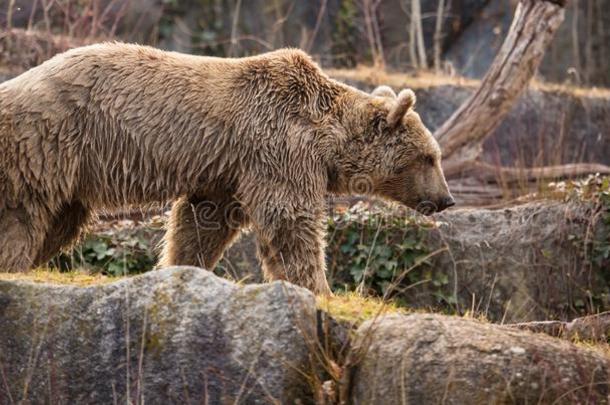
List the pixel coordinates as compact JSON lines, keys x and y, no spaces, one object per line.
{"x":200,"y":229}
{"x":19,"y":240}
{"x":64,"y":230}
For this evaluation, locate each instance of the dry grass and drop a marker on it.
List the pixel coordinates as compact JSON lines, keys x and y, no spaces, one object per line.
{"x":349,"y":306}
{"x":425,"y":79}
{"x":603,"y":348}
{"x":50,"y":276}
{"x":416,"y":80}
{"x":576,"y":91}
{"x":354,"y":308}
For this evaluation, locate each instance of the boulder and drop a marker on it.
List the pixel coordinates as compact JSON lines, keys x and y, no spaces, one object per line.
{"x":517,"y":263}
{"x":525,"y":262}
{"x":432,"y":359}
{"x":178,"y":335}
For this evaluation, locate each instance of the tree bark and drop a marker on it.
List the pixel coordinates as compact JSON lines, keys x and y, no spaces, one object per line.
{"x":533,"y":27}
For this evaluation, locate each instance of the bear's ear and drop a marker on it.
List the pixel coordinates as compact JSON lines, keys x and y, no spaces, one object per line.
{"x":404,"y":101}
{"x":384,"y":91}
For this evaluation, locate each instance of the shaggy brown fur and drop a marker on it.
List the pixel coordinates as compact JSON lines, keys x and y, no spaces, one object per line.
{"x":254,"y":142}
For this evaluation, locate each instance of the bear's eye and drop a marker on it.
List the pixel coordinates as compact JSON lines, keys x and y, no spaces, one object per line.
{"x":429,"y":160}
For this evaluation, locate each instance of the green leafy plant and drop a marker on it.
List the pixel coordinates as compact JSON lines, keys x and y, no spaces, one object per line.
{"x":112,"y":253}
{"x":384,"y":255}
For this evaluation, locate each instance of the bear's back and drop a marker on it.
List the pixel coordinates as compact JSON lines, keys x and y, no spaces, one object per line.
{"x":114,"y":68}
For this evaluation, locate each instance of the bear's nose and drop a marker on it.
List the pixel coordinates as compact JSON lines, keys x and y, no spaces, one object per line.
{"x":446,"y":202}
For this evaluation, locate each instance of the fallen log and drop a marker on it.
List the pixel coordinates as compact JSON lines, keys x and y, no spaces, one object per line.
{"x":485,"y":184}
{"x":497,"y":174}
{"x":594,"y":328}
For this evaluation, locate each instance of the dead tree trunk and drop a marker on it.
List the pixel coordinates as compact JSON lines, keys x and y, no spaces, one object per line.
{"x":532,"y":29}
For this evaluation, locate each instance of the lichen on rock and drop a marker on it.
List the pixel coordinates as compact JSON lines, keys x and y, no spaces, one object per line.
{"x":171,"y":335}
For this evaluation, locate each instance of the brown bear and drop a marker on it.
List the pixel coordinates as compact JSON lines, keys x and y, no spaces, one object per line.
{"x":256,"y":141}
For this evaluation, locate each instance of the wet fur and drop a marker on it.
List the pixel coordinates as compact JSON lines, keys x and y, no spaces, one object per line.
{"x":264,"y":138}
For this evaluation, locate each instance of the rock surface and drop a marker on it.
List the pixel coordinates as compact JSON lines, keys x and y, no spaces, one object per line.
{"x":178,"y":335}
{"x":432,"y":359}
{"x":183,"y":335}
{"x":522,"y":263}
{"x":519,"y":263}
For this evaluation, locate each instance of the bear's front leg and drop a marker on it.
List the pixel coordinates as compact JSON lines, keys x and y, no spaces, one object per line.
{"x":291,"y":247}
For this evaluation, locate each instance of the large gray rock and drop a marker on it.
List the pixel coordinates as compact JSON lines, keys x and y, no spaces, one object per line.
{"x":433,"y":359}
{"x":517,"y":263}
{"x":521,"y":263}
{"x":174,"y":335}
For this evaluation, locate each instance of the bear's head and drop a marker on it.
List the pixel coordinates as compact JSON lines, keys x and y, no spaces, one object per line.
{"x":389,"y":152}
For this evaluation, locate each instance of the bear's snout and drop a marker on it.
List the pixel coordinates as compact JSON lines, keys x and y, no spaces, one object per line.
{"x":445,"y":203}
{"x":431,"y":206}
